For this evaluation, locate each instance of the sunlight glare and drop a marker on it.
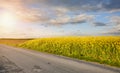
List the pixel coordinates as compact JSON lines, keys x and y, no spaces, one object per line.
{"x":8,"y":20}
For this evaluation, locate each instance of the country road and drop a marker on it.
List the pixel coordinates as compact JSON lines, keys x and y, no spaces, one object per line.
{"x":26,"y":61}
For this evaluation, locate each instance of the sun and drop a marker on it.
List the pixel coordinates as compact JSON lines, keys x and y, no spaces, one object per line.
{"x":8,"y":20}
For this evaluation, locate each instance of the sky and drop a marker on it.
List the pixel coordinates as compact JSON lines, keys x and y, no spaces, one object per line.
{"x":46,"y":18}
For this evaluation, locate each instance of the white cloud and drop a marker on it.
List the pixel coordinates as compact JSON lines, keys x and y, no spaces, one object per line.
{"x":60,"y":11}
{"x":78,"y":19}
{"x":115,"y":20}
{"x":60,"y":20}
{"x":82,"y":18}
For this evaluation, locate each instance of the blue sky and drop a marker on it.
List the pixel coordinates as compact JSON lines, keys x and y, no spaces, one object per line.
{"x":44,"y":18}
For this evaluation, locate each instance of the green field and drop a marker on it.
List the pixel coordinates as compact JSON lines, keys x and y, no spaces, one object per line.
{"x":105,"y":50}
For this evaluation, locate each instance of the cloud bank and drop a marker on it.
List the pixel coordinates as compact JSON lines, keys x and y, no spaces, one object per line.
{"x":62,"y":12}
